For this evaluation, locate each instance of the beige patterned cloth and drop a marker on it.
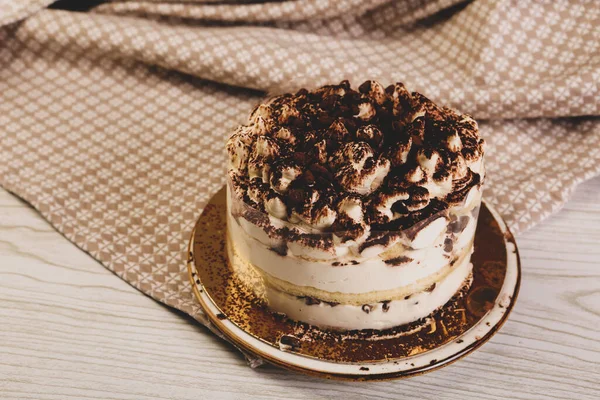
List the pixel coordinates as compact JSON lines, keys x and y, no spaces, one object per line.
{"x":113,"y":121}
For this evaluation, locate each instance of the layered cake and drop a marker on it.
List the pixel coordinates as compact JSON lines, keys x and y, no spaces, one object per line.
{"x":356,"y":208}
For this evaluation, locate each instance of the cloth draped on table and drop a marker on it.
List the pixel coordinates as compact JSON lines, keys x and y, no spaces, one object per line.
{"x":113,"y":119}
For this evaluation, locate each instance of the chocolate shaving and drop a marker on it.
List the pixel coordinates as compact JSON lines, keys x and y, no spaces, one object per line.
{"x":367,"y":308}
{"x":385,"y":306}
{"x":448,"y":245}
{"x":431,"y":288}
{"x":311,"y":301}
{"x":289,"y":342}
{"x":398,"y":261}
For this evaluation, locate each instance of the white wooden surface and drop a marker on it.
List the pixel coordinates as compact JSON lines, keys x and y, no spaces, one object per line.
{"x":71,"y":329}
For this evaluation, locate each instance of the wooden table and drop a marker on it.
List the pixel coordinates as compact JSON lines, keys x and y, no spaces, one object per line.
{"x":71,"y":329}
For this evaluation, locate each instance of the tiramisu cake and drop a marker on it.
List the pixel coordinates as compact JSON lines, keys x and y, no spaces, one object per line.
{"x":357,"y":208}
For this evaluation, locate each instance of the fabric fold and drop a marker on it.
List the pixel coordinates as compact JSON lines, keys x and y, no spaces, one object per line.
{"x":287,"y":59}
{"x":247,"y":13}
{"x":12,"y":11}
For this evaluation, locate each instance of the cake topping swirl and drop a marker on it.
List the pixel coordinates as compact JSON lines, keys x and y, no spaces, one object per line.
{"x":338,"y":159}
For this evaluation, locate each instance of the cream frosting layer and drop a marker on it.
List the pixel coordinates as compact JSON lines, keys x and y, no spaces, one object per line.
{"x":351,"y":275}
{"x":381,"y":315}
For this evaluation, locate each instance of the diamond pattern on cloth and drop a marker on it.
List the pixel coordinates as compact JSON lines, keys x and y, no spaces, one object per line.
{"x":13,"y":11}
{"x":113,"y":121}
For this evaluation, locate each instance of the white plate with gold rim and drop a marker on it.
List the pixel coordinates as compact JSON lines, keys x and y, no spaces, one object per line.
{"x":458,"y":328}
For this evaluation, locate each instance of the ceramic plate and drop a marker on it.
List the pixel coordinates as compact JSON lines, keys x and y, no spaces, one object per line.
{"x":459,"y":327}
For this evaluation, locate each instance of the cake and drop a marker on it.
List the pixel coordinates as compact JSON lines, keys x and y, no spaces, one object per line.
{"x":356,"y":208}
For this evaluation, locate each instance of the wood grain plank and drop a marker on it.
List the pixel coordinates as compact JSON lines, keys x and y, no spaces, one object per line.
{"x":71,"y":329}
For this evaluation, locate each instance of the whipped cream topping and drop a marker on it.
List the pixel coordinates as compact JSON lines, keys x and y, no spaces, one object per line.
{"x":356,"y":170}
{"x":347,"y":163}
